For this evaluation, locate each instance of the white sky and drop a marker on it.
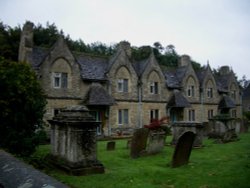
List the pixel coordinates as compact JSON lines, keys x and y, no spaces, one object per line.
{"x":214,"y":30}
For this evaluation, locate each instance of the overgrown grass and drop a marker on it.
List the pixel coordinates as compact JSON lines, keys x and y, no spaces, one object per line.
{"x":213,"y":166}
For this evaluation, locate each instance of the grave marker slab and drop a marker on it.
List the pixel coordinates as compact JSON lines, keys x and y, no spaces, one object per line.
{"x":183,"y":149}
{"x":139,"y":142}
{"x":111,"y":146}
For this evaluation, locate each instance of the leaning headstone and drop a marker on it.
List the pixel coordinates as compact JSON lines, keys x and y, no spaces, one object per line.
{"x":111,"y":146}
{"x":139,"y":142}
{"x":183,"y":149}
{"x":73,"y":140}
{"x":156,"y":141}
{"x":15,"y":173}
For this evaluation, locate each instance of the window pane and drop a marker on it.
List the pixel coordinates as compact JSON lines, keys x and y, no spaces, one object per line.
{"x":125,"y":116}
{"x":64,"y":80}
{"x":125,"y":85}
{"x":120,"y":117}
{"x":156,"y":88}
{"x":57,"y":82}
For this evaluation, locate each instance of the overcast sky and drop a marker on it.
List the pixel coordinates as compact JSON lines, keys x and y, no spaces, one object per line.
{"x":214,"y":30}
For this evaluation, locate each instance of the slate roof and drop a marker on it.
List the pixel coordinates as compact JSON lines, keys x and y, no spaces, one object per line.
{"x":92,"y":67}
{"x":178,"y":100}
{"x":37,"y":56}
{"x":226,"y":102}
{"x":222,"y":82}
{"x":246,"y":93}
{"x":174,"y":77}
{"x":97,"y":95}
{"x":140,"y":66}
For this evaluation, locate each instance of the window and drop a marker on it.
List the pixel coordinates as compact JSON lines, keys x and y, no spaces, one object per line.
{"x":234,"y":114}
{"x":190,"y":91}
{"x":122,"y":85}
{"x":154,"y":87}
{"x":154,"y":114}
{"x":56,"y":111}
{"x":233,"y":94}
{"x":97,"y":116}
{"x":123,"y":117}
{"x":210,"y":114}
{"x":191,"y":115}
{"x":60,"y":80}
{"x":210,"y":92}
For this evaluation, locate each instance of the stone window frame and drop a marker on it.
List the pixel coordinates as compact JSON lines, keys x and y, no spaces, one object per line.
{"x":154,"y":87}
{"x":234,"y":113}
{"x":191,"y":91}
{"x":191,"y":115}
{"x":154,"y":114}
{"x":60,"y":80}
{"x":210,"y":92}
{"x":122,"y":85}
{"x":123,"y":117}
{"x":210,"y":113}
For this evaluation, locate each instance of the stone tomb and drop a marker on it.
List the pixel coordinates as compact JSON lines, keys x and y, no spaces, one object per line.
{"x":181,"y":127}
{"x":73,"y":140}
{"x":183,"y":149}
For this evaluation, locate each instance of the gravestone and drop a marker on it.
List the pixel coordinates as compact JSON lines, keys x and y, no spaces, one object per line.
{"x":156,"y":141}
{"x":139,"y":142}
{"x":73,"y":140}
{"x":183,"y":149}
{"x":111,"y":146}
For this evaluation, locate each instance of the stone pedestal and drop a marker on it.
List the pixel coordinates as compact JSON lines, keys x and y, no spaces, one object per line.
{"x":73,"y":140}
{"x":181,"y":127}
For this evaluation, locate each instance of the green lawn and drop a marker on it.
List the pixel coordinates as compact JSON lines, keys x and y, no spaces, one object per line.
{"x":213,"y":166}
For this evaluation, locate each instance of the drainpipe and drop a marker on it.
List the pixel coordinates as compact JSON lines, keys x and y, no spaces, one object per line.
{"x":139,"y":103}
{"x":202,"y":104}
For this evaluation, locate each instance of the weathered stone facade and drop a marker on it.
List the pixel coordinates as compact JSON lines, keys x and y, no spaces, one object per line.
{"x":126,"y":94}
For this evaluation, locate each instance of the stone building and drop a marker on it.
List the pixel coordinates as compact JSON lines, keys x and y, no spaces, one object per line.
{"x":125,"y":94}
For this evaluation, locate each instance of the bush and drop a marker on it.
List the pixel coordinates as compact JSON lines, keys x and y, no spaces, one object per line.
{"x":22,"y":105}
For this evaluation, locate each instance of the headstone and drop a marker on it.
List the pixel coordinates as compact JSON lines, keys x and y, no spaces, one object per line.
{"x":129,"y":144}
{"x":73,"y":140}
{"x":139,"y":142}
{"x":183,"y":149}
{"x":15,"y":173}
{"x":156,"y":141}
{"x":111,"y":146}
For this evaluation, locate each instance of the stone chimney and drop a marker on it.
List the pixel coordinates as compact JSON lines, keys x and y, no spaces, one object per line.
{"x":224,"y":70}
{"x":26,"y":42}
{"x":124,"y":45}
{"x":184,"y":61}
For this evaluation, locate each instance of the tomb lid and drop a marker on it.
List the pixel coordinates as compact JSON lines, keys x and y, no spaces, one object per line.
{"x":74,"y":113}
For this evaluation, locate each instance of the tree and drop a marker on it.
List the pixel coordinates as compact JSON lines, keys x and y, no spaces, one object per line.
{"x":22,"y":105}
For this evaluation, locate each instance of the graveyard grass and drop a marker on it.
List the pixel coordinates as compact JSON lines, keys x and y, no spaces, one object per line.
{"x":213,"y":166}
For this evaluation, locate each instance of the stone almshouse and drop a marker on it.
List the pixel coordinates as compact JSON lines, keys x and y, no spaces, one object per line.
{"x":125,"y":94}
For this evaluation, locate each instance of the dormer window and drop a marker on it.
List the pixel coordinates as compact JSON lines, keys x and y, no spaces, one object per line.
{"x":122,"y":85}
{"x":60,"y":80}
{"x":190,"y":91}
{"x":154,"y":87}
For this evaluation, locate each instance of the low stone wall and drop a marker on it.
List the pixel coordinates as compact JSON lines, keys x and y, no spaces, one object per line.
{"x":14,"y":173}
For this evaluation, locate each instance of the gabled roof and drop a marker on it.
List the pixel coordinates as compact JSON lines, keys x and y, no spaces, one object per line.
{"x":92,"y":67}
{"x":226,"y":102}
{"x":37,"y":56}
{"x":174,"y":77}
{"x":97,"y":95}
{"x":178,"y":100}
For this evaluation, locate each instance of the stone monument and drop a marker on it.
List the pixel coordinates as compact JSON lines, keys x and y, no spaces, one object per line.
{"x":73,"y":140}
